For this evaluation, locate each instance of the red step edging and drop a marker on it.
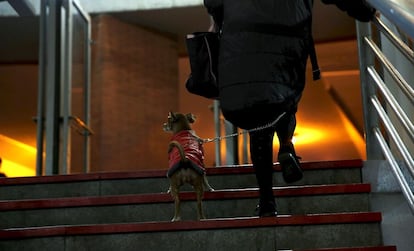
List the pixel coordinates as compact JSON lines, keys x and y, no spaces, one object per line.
{"x":221,"y":170}
{"x":210,"y":224}
{"x":185,"y":196}
{"x":381,"y":248}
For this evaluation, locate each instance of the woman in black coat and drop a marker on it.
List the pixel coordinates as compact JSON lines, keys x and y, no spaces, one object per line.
{"x":262,"y":66}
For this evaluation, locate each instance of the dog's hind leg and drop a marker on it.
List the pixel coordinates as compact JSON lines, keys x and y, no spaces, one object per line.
{"x":206,"y":184}
{"x":177,"y":212}
{"x":174,"y":190}
{"x":198,"y":187}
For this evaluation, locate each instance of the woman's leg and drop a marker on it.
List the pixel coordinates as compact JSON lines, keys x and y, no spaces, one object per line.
{"x":285,"y":129}
{"x":261,"y":152}
{"x":287,"y":158}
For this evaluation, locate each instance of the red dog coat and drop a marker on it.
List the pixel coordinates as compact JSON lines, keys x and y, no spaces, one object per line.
{"x":193,"y":150}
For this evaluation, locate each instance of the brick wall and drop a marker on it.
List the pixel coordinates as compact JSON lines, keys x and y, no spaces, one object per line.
{"x":134,"y":85}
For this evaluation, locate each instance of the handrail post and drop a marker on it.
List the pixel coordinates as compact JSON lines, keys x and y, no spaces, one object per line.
{"x":386,"y":61}
{"x":366,"y":59}
{"x":217,"y":122}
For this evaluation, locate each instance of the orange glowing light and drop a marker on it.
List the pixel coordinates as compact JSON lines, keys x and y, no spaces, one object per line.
{"x":356,"y":138}
{"x":305,"y":136}
{"x":19,"y":159}
{"x":13,"y":169}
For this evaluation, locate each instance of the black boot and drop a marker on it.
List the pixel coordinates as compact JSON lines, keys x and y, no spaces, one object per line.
{"x":266,"y":209}
{"x":289,"y":163}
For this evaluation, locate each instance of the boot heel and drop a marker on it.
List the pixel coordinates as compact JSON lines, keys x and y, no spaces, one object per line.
{"x":291,"y":169}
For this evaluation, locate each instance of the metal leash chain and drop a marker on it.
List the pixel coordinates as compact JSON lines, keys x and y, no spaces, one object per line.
{"x":245,"y":131}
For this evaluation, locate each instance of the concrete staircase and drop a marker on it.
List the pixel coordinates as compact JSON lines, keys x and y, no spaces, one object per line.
{"x":328,"y":210}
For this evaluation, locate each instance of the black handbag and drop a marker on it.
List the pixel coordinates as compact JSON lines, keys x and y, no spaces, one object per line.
{"x":203,"y":50}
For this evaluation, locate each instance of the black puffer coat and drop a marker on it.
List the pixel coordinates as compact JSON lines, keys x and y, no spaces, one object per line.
{"x":260,"y":63}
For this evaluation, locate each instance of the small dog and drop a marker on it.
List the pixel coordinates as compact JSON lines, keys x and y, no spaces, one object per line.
{"x":186,"y":160}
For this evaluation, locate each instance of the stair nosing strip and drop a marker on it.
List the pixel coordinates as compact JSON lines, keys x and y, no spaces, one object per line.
{"x":363,"y":248}
{"x":221,"y":170}
{"x":210,"y":224}
{"x":290,"y":191}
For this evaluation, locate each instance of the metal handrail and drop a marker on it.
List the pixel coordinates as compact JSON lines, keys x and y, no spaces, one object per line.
{"x":80,"y":126}
{"x":392,"y":101}
{"x":395,"y":167}
{"x":376,"y":92}
{"x":395,"y":74}
{"x":397,"y":12}
{"x":393,"y":133}
{"x":403,"y":47}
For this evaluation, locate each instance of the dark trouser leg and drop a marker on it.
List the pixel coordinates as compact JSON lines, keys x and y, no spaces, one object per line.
{"x":285,"y":130}
{"x":288,"y":160}
{"x":261,"y":151}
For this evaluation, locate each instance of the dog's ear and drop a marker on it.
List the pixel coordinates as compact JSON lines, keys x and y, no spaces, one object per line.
{"x":172,"y":115}
{"x":190,"y":117}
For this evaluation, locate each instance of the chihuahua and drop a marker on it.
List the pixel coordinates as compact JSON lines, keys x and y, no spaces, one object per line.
{"x":186,"y":160}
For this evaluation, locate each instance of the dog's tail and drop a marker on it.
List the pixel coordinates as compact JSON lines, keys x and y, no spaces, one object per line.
{"x":180,"y":148}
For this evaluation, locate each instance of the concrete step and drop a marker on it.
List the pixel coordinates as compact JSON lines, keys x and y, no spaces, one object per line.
{"x":378,"y":248}
{"x":309,"y":199}
{"x":140,"y":182}
{"x":284,"y":232}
